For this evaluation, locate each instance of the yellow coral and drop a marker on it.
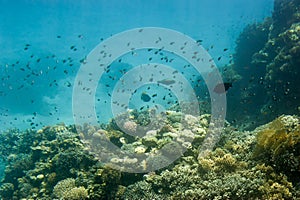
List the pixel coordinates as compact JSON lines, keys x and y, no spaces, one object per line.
{"x":278,"y":136}
{"x":277,"y":142}
{"x":219,"y":160}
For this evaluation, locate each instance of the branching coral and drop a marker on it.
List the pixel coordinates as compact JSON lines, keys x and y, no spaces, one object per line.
{"x":220,"y":161}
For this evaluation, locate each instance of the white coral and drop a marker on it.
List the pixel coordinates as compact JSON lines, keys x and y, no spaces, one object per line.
{"x":130,"y":126}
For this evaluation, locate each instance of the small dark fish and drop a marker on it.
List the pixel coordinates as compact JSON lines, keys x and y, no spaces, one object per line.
{"x":225,"y":49}
{"x":68,"y":84}
{"x":222,"y":87}
{"x":145,"y":97}
{"x":166,"y":81}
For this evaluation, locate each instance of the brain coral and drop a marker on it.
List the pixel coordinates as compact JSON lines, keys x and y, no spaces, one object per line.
{"x":67,"y":190}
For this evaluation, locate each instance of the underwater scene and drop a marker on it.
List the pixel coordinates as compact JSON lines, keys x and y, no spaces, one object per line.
{"x":149,"y":100}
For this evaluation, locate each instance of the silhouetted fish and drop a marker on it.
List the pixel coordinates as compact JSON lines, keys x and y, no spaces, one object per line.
{"x":222,"y":87}
{"x":166,"y":81}
{"x":145,"y":97}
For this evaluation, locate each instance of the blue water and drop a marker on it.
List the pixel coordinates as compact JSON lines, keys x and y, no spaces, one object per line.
{"x":43,"y":42}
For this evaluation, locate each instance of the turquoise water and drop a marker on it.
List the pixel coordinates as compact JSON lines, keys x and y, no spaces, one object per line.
{"x":36,"y":87}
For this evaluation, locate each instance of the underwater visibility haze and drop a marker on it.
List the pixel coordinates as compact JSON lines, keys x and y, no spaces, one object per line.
{"x":171,"y":99}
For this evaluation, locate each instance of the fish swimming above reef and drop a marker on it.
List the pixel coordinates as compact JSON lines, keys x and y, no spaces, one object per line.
{"x":166,"y":81}
{"x":145,"y":97}
{"x":222,"y":87}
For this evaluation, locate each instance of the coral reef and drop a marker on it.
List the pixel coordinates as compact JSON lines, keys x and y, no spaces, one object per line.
{"x":169,"y":136}
{"x":49,"y":156}
{"x":247,"y":88}
{"x":267,"y":58}
{"x":191,"y":180}
{"x":228,"y":172}
{"x":55,"y":163}
{"x":163,"y":149}
{"x":78,"y":162}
